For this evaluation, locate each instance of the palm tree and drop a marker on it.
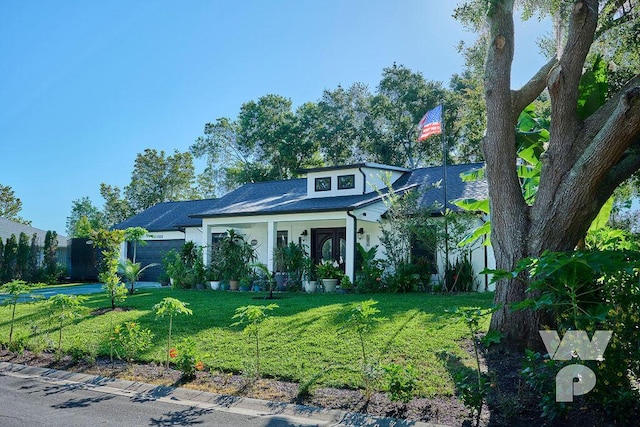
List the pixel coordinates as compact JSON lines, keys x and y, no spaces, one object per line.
{"x":132,"y":271}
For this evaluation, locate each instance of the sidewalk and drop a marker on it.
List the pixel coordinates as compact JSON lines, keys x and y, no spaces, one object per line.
{"x":296,"y":414}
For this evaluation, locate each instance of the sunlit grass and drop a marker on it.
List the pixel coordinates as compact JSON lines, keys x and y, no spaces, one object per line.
{"x":303,"y":336}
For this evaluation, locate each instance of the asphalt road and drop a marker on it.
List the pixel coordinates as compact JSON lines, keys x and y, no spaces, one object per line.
{"x":54,"y":403}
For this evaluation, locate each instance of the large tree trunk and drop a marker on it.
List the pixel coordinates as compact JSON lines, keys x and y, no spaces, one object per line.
{"x":584,"y":162}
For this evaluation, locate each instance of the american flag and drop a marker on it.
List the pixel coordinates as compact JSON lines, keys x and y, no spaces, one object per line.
{"x":431,"y":123}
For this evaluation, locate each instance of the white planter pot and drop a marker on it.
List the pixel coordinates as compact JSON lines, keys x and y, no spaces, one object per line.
{"x":329,"y":284}
{"x":311,"y":286}
{"x":214,"y":284}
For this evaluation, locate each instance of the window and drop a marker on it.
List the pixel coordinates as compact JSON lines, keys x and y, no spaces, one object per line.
{"x":282,"y":239}
{"x":346,"y":182}
{"x":323,"y":184}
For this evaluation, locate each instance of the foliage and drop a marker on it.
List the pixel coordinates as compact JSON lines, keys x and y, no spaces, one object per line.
{"x":591,"y":290}
{"x":253,"y":316}
{"x":328,"y":269}
{"x":400,"y":382}
{"x":63,"y":308}
{"x":294,"y":258}
{"x":132,"y":271}
{"x":459,"y":277}
{"x":402,"y":99}
{"x":186,"y":359}
{"x":15,"y":289}
{"x":50,"y":258}
{"x":237,"y":256}
{"x":171,"y":307}
{"x":9,"y":256}
{"x":109,"y":242}
{"x":135,"y":235}
{"x":361,"y":318}
{"x":369,"y":269}
{"x":116,"y":209}
{"x":84,"y":218}
{"x":10,"y":205}
{"x":173,"y":266}
{"x":473,"y":391}
{"x":130,"y":339}
{"x":159,"y":178}
{"x":214,"y":270}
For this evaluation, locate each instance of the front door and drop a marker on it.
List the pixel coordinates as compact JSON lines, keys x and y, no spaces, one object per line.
{"x":329,"y":244}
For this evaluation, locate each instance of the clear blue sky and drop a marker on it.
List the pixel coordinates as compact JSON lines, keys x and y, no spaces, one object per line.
{"x":86,"y":85}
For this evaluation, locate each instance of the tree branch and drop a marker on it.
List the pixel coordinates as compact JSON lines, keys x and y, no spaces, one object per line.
{"x":527,"y":94}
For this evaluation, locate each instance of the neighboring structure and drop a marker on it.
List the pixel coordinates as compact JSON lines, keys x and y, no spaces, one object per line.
{"x":8,"y":227}
{"x":328,"y":211}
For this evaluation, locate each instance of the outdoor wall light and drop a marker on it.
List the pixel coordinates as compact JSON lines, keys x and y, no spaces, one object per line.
{"x":360,"y":231}
{"x":304,"y":233}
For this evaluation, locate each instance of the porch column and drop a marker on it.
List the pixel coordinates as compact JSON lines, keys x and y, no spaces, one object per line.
{"x":350,"y":243}
{"x":272,"y":233}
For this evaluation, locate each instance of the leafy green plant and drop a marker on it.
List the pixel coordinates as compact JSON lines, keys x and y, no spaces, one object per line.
{"x":170,"y":307}
{"x":132,"y":271}
{"x":187,"y":359}
{"x":473,"y":390}
{"x":361,"y":317}
{"x":109,"y":242}
{"x":16,"y":289}
{"x":253,"y":316}
{"x":135,"y":235}
{"x":130,"y":339}
{"x":237,"y":256}
{"x":63,"y":308}
{"x":400,"y":382}
{"x":590,"y":290}
{"x":369,"y":269}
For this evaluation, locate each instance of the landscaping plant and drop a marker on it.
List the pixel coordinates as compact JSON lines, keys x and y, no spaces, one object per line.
{"x":361,"y":317}
{"x":252,"y":316}
{"x":15,"y":289}
{"x":170,"y":307}
{"x":63,"y":308}
{"x":130,"y":339}
{"x":186,"y":359}
{"x":109,"y":242}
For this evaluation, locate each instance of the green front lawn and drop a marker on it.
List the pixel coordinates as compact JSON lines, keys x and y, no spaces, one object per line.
{"x":303,"y":337}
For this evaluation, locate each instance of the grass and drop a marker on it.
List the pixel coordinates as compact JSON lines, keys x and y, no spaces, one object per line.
{"x":302,"y":339}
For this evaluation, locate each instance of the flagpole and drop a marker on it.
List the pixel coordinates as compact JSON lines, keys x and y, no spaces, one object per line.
{"x":444,"y":173}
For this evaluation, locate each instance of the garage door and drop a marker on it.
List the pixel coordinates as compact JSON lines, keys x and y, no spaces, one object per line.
{"x":151,"y":253}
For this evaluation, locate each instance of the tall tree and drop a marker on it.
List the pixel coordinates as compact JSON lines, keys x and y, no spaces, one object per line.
{"x":84,"y":208}
{"x":116,"y":208}
{"x":340,"y":124}
{"x":10,"y":205}
{"x":402,"y":98}
{"x":159,"y":178}
{"x":585,"y":160}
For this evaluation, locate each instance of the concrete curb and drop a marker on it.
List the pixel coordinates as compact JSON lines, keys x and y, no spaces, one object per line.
{"x":296,"y":414}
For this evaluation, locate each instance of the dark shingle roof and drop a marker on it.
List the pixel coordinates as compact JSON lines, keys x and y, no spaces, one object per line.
{"x":168,"y":216}
{"x":289,"y":196}
{"x":280,"y":197}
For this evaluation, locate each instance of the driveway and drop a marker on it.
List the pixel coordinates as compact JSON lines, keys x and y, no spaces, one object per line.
{"x":83,"y":289}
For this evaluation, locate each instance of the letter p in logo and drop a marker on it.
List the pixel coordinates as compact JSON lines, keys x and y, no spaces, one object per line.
{"x":567,"y":386}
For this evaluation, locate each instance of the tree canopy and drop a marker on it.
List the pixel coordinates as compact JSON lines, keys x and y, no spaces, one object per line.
{"x":10,"y":205}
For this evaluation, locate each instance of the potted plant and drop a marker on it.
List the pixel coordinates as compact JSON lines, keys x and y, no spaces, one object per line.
{"x":329,"y":273}
{"x":173,"y":267}
{"x":237,"y":256}
{"x":280,"y":265}
{"x":294,"y":261}
{"x":310,"y":276}
{"x":214,"y":269}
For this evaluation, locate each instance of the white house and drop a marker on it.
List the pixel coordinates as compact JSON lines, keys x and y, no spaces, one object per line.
{"x":329,"y":210}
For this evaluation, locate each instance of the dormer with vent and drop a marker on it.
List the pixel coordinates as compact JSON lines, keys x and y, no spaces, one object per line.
{"x":349,"y":180}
